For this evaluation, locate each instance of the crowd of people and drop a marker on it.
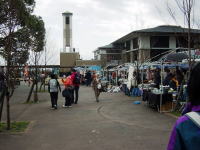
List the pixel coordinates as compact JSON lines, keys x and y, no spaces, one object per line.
{"x":174,"y":77}
{"x":72,"y":81}
{"x":186,"y":131}
{"x":171,"y":77}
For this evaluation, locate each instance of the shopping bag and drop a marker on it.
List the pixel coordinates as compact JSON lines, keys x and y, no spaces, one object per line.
{"x":99,"y":86}
{"x":66,"y":93}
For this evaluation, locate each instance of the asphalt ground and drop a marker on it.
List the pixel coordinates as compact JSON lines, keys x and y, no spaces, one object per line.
{"x":115,"y":123}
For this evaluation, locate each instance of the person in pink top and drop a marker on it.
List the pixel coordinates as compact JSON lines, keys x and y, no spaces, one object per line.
{"x":75,"y":76}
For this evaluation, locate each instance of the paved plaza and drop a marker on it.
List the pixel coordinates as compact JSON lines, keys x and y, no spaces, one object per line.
{"x":115,"y":123}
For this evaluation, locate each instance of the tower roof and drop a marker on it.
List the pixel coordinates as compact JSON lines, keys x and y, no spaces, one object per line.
{"x":67,"y":13}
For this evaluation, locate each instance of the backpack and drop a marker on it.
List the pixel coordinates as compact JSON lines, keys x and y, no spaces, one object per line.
{"x":195,"y":117}
{"x":53,"y":83}
{"x":77,"y":79}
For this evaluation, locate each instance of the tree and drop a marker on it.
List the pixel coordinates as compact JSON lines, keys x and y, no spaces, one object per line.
{"x":186,"y":7}
{"x":47,"y":56}
{"x":18,"y":30}
{"x":37,"y":45}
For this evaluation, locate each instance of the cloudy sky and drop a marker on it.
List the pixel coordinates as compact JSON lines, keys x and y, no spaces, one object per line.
{"x":99,"y":22}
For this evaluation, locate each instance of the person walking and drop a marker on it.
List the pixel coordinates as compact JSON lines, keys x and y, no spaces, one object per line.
{"x":67,"y":92}
{"x":96,"y":83}
{"x":76,"y":80}
{"x":88,"y":78}
{"x":42,"y":79}
{"x":53,"y":87}
{"x":186,"y":132}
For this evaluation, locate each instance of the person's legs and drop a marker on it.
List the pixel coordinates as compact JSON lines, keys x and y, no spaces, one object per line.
{"x":90,"y":81}
{"x":72,"y":96}
{"x":87,"y":82}
{"x":52,"y":99}
{"x":56,"y":99}
{"x":76,"y":94}
{"x":67,"y":101}
{"x":96,"y":92}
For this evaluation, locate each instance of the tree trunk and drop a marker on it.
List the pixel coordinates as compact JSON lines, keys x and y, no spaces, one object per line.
{"x":8,"y":79}
{"x":36,"y":80}
{"x":2,"y":103}
{"x":8,"y":108}
{"x":44,"y":84}
{"x":30,"y":92}
{"x":36,"y":92}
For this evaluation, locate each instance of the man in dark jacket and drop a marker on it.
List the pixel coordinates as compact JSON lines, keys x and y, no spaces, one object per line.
{"x":168,"y":77}
{"x":157,"y":77}
{"x":88,"y":78}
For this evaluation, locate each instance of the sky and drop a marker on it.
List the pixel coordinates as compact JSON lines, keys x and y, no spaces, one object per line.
{"x":99,"y":22}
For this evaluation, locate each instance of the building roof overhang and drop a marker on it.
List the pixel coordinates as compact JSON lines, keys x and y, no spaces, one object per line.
{"x":159,"y":30}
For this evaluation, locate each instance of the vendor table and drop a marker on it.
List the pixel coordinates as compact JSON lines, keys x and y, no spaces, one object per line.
{"x":153,"y":100}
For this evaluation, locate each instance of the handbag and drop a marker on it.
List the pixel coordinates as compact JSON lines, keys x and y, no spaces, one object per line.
{"x":66,"y":93}
{"x":99,"y":86}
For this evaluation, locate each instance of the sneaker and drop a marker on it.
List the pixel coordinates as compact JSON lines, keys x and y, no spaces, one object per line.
{"x":64,"y":106}
{"x":55,"y":106}
{"x":69,"y":106}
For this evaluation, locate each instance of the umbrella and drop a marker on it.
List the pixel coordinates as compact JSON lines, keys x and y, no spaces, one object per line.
{"x":176,"y":57}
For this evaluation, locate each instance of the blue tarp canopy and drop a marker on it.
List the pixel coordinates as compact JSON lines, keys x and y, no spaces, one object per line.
{"x":94,"y":68}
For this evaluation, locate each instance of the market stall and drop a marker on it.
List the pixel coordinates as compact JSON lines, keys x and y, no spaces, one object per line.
{"x":167,"y":89}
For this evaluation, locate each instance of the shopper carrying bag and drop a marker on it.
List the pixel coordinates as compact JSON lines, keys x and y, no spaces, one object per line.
{"x":67,"y":92}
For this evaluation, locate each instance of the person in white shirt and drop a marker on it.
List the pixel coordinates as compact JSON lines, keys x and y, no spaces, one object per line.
{"x":53,"y":87}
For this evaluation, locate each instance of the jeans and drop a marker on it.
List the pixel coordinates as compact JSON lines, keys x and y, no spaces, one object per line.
{"x":76,"y":90}
{"x":54,"y":98}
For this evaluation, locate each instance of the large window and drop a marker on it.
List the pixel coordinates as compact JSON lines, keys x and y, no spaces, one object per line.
{"x":155,"y":54}
{"x":135,"y":43}
{"x":159,"y":41}
{"x":119,"y":45}
{"x":128,"y":45}
{"x":113,"y":51}
{"x":113,"y":57}
{"x":182,"y":41}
